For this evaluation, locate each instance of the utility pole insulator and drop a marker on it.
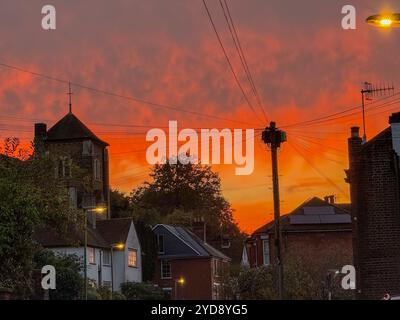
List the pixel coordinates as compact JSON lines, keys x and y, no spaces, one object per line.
{"x":274,"y":137}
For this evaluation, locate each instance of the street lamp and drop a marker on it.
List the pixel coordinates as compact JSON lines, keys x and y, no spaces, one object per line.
{"x":117,"y":246}
{"x":181,"y":281}
{"x":386,"y":20}
{"x":99,"y":209}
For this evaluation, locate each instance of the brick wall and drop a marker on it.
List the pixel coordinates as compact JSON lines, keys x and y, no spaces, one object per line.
{"x":197,"y":273}
{"x":374,"y":186}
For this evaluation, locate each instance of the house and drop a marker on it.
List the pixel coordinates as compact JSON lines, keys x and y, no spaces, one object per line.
{"x":113,"y":251}
{"x":374,"y":177}
{"x":81,"y":162}
{"x":187,"y":267}
{"x":71,"y":143}
{"x":315,"y":227}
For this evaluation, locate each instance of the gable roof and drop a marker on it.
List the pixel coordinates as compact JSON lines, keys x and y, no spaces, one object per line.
{"x":198,"y":246}
{"x":385,"y":135}
{"x":71,"y":128}
{"x":114,"y":230}
{"x":106,"y":233}
{"x":338,"y":218}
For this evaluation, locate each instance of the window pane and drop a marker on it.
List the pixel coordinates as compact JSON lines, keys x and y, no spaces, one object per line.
{"x":92,"y":257}
{"x":106,"y":258}
{"x":266,"y":252}
{"x":132,"y":258}
{"x":165,"y":269}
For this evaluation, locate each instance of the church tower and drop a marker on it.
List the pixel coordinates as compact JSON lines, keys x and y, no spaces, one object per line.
{"x":73,"y":145}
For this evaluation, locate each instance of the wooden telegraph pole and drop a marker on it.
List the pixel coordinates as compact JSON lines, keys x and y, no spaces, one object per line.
{"x":274,"y":138}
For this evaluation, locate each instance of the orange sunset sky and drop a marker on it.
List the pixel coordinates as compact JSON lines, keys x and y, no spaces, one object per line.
{"x":304,"y":65}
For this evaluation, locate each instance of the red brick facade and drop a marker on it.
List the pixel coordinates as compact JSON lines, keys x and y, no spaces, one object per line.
{"x":201,"y":280}
{"x":374,"y":185}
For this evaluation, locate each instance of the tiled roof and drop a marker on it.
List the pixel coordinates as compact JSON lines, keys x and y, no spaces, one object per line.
{"x":114,"y":230}
{"x":71,"y":128}
{"x":202,"y":248}
{"x":106,"y":233}
{"x":341,"y":210}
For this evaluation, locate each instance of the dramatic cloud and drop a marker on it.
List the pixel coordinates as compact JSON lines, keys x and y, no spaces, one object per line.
{"x":304,"y":65}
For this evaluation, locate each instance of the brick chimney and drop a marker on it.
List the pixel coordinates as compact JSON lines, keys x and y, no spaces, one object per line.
{"x":354,"y":146}
{"x":199,"y":228}
{"x":394,"y":121}
{"x":40,"y":136}
{"x":330,"y":199}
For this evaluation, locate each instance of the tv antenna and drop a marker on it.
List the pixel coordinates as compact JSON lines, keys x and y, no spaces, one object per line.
{"x":369,"y":92}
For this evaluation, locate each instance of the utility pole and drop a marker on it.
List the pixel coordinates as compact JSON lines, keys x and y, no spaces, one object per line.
{"x":367,"y":93}
{"x":274,"y":138}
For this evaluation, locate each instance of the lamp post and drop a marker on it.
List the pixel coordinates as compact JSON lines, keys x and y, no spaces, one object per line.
{"x":98,"y":210}
{"x":181,"y":282}
{"x":118,"y":246}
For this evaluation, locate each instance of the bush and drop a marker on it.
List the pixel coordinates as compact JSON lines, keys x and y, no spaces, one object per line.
{"x":69,"y":283}
{"x":141,"y":291}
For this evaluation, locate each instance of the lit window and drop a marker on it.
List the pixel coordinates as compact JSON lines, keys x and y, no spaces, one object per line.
{"x":106,"y":258}
{"x":132,"y":258}
{"x":160,"y":242}
{"x":165,"y":269}
{"x":92,"y":255}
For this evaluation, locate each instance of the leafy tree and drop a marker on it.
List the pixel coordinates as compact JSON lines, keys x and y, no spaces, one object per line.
{"x":120,"y":205}
{"x":69,"y":282}
{"x":179,"y":193}
{"x":30,"y":199}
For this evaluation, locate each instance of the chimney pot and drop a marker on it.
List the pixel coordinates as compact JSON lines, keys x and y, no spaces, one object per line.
{"x":394,"y":118}
{"x":40,"y":130}
{"x":355,"y":132}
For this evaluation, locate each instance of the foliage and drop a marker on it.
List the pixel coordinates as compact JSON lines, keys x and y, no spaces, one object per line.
{"x":305,"y":272}
{"x":30,"y":199}
{"x":180,"y":193}
{"x":106,"y":294}
{"x":149,"y":248}
{"x":120,"y":206}
{"x":141,"y":291}
{"x":69,"y":283}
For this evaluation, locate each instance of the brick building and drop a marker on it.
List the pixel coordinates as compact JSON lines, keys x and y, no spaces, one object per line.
{"x":317,"y":228}
{"x":374,"y":180}
{"x":188,"y":268}
{"x":71,"y":143}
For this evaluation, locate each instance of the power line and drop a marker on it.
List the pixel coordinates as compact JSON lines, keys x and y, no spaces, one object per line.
{"x":320,"y":172}
{"x":117,"y":95}
{"x":326,"y":117}
{"x":239,"y":50}
{"x":229,"y":61}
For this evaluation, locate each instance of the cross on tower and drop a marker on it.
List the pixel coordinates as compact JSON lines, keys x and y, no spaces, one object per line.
{"x":70,"y":93}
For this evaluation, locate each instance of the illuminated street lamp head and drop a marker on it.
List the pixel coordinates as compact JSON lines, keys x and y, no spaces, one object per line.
{"x":391,"y":20}
{"x":119,"y":246}
{"x":181,"y":281}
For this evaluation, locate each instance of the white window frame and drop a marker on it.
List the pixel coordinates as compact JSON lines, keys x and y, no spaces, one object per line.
{"x":162,"y":269}
{"x":107,"y":254}
{"x":131,"y":250}
{"x":89,"y":253}
{"x":265,"y":244}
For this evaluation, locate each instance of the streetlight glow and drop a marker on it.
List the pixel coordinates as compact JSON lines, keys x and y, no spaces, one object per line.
{"x":181,"y":281}
{"x":391,"y":20}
